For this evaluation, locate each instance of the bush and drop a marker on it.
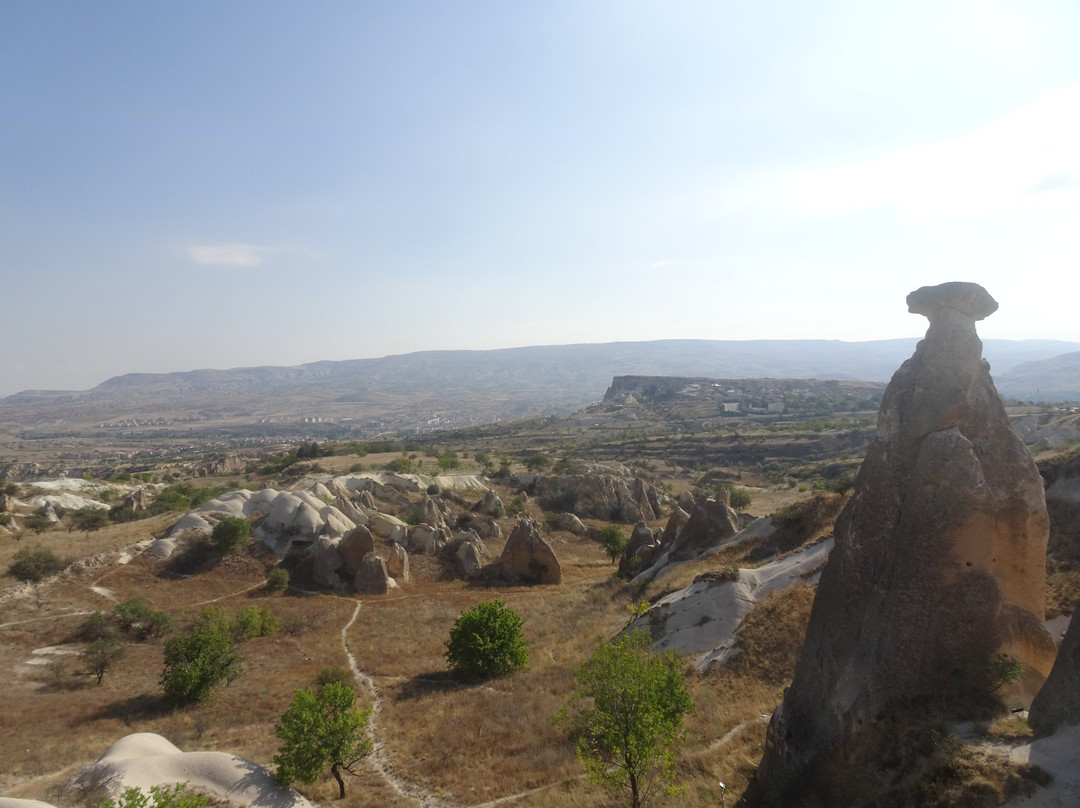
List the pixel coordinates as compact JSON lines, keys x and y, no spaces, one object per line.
{"x":231,"y":533}
{"x":613,"y":540}
{"x":399,"y":464}
{"x":139,"y":621}
{"x":159,"y":797}
{"x":95,"y":627}
{"x":335,"y":674}
{"x":487,"y":641}
{"x":625,"y":715}
{"x":254,"y":621}
{"x":277,"y":579}
{"x":319,"y":730}
{"x":198,"y":662}
{"x":537,"y":462}
{"x":740,"y":499}
{"x":89,"y":519}
{"x":34,"y":564}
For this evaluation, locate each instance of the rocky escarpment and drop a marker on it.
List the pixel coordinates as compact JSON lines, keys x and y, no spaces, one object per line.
{"x":939,"y":564}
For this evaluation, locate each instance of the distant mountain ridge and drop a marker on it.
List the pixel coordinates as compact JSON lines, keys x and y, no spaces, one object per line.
{"x":448,"y":388}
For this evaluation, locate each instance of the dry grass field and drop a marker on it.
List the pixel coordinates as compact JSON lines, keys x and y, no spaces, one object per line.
{"x":439,"y":741}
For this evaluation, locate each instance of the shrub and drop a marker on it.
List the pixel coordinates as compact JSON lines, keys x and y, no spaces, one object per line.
{"x":294,"y":624}
{"x":251,"y":622}
{"x":231,"y":533}
{"x":613,"y":540}
{"x":319,"y":730}
{"x":537,"y":462}
{"x":139,"y":621}
{"x":34,"y":564}
{"x":198,"y":662}
{"x":159,"y":797}
{"x":101,"y":655}
{"x":38,"y":523}
{"x":94,"y":627}
{"x":740,"y":498}
{"x":487,"y":641}
{"x":89,"y":519}
{"x":399,"y":464}
{"x":625,"y":715}
{"x":334,"y":674}
{"x":277,"y":579}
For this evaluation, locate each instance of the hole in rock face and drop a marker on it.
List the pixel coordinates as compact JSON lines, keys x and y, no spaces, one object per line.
{"x":969,"y":563}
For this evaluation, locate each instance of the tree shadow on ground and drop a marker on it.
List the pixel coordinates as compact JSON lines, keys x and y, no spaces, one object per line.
{"x":143,"y":707}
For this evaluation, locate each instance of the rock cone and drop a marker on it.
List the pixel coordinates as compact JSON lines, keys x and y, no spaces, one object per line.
{"x":939,"y":562}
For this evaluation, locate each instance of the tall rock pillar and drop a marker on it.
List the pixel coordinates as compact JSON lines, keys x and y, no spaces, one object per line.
{"x":940,"y":556}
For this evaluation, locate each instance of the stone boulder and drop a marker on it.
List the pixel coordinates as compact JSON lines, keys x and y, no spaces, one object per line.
{"x":372,"y":577}
{"x":676,"y":522}
{"x":427,"y":539}
{"x":596,"y":496}
{"x":350,"y":509}
{"x":428,"y":512}
{"x":387,"y":527}
{"x":139,"y":499}
{"x":7,"y":503}
{"x":710,"y":524}
{"x":470,"y":552}
{"x":490,"y":505}
{"x":367,"y":501}
{"x":487,"y":528}
{"x":397,"y":563}
{"x":939,"y":563}
{"x":632,"y":558}
{"x":356,"y":544}
{"x":326,"y":561}
{"x":527,"y":556}
{"x":571,"y":524}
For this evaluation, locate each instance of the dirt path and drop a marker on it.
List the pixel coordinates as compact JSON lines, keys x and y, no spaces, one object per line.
{"x":378,"y":758}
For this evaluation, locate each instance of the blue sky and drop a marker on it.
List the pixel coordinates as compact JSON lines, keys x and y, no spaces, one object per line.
{"x":222,"y":184}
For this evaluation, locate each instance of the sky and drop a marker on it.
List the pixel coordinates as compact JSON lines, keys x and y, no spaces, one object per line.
{"x":223,"y":184}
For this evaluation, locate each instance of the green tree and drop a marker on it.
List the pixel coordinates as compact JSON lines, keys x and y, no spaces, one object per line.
{"x":625,"y":715}
{"x":34,"y":564}
{"x":159,"y":797}
{"x":230,"y":534}
{"x":197,"y":662}
{"x":319,"y":730}
{"x":537,"y":462}
{"x":613,"y":540}
{"x":448,"y":460}
{"x":89,"y":520}
{"x":487,"y":640}
{"x":139,"y":621}
{"x":399,"y":464}
{"x":102,"y":654}
{"x":277,"y":579}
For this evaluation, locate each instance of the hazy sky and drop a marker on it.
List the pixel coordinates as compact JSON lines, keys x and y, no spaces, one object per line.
{"x":220,"y":184}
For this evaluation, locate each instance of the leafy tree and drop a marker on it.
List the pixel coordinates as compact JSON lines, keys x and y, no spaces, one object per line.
{"x":277,"y":579}
{"x":38,"y":523}
{"x":197,"y":662}
{"x":94,"y":627}
{"x":159,"y":797}
{"x":613,"y":540}
{"x":34,"y":564}
{"x":399,"y":464}
{"x":625,"y":715}
{"x":101,"y":655}
{"x":89,"y":520}
{"x":448,"y":460}
{"x":319,"y":730}
{"x":537,"y":462}
{"x":139,"y":621}
{"x":740,"y":498}
{"x":487,"y":640}
{"x":231,"y":533}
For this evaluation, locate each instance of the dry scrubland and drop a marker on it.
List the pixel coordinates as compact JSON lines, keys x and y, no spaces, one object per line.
{"x":442,"y":741}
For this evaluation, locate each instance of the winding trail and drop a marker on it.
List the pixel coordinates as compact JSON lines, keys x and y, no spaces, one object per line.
{"x":378,"y":758}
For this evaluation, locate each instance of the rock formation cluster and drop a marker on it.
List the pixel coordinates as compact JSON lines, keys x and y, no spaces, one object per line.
{"x":939,"y":564}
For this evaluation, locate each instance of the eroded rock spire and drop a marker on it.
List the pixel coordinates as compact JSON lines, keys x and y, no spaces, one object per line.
{"x":940,"y":554}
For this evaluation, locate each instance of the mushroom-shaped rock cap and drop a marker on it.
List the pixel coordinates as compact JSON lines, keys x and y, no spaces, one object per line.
{"x":967,"y":298}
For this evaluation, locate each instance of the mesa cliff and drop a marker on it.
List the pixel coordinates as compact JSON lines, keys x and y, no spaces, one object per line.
{"x":939,"y":566}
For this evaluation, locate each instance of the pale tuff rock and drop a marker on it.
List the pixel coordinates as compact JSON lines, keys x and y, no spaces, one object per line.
{"x":326,"y":562}
{"x":571,"y":524}
{"x":939,"y":564}
{"x":372,"y":578}
{"x":357,"y":543}
{"x":490,"y":505}
{"x":470,"y":551}
{"x":710,"y":522}
{"x":397,"y":563}
{"x":527,"y":556}
{"x":597,"y":496}
{"x":427,"y":539}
